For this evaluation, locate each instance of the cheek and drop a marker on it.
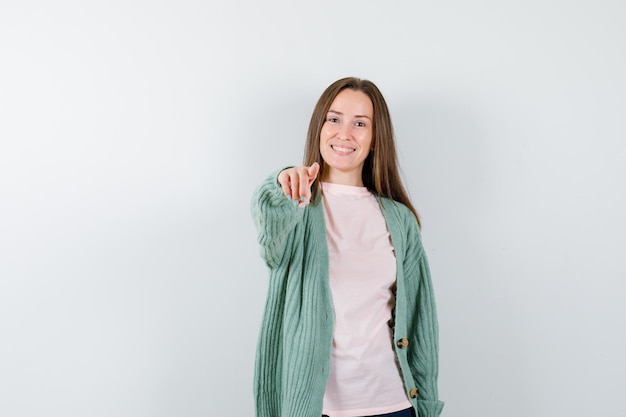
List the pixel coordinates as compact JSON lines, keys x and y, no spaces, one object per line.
{"x":322,"y":141}
{"x":325,"y":134}
{"x":365,"y":139}
{"x":329,"y":129}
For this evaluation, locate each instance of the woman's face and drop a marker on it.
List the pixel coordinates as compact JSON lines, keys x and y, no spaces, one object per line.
{"x":346,"y":137}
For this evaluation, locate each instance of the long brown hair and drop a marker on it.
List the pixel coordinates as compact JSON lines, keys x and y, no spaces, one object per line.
{"x":381,"y":174}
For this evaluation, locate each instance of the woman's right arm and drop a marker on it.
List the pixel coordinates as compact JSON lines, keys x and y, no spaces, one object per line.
{"x":277,"y":206}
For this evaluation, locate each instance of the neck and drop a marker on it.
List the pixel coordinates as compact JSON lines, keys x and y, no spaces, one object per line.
{"x":344,"y":178}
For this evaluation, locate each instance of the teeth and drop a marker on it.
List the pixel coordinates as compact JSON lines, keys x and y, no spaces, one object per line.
{"x":344,"y":150}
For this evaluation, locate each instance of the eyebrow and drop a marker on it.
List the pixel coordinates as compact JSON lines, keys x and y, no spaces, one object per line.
{"x":356,"y":115}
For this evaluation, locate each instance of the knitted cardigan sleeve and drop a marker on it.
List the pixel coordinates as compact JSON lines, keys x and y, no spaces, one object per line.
{"x":423,"y":357}
{"x":275,"y":216}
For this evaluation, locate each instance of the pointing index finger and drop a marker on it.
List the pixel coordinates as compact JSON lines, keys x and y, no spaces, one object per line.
{"x":313,"y":170}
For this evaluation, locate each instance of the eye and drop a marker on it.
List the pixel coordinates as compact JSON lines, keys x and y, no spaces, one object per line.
{"x":333,"y":119}
{"x":360,"y":124}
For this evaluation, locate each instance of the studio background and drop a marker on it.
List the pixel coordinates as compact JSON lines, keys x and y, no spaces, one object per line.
{"x":133,"y":133}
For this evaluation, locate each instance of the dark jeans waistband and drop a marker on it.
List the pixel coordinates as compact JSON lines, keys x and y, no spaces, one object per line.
{"x":402,"y":413}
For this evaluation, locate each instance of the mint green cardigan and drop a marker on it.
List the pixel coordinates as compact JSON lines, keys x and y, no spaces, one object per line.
{"x":294,"y":346}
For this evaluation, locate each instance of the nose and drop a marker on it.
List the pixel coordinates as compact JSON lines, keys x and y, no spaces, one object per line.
{"x":345,"y":132}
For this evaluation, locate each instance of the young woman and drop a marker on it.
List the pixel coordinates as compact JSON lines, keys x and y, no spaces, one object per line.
{"x":350,"y":326}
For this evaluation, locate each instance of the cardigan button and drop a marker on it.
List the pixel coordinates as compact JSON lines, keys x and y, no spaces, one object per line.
{"x":403,"y":343}
{"x":413,"y":393}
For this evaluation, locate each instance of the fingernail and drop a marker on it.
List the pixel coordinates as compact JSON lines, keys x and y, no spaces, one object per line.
{"x":303,"y":199}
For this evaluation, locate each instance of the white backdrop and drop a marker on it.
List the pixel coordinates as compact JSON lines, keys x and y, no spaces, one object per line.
{"x":133,"y":134}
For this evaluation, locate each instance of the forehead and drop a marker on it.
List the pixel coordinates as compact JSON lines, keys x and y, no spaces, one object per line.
{"x":353,"y":102}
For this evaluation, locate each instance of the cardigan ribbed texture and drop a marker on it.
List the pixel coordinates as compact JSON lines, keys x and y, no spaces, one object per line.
{"x":295,"y":340}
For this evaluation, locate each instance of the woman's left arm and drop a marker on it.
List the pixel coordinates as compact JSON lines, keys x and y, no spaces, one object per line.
{"x":423,"y":352}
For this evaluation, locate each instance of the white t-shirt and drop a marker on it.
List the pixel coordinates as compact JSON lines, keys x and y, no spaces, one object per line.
{"x":364,"y":377}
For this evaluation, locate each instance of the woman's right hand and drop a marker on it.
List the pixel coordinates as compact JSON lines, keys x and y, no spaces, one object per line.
{"x":296,"y":182}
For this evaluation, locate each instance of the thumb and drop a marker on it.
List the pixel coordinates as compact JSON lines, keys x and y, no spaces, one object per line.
{"x":313,"y":170}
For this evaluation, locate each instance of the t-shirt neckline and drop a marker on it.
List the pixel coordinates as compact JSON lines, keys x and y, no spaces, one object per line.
{"x":341,"y":189}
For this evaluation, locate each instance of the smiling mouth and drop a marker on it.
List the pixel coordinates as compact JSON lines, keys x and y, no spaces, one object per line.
{"x":341,"y":149}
